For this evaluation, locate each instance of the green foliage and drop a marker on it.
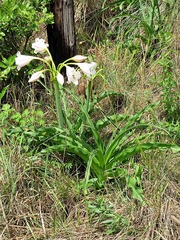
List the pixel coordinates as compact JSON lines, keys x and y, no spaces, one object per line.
{"x":173,"y":129}
{"x":3,"y":92}
{"x":104,"y":160}
{"x":143,"y":27}
{"x":115,"y":149}
{"x":170,"y":89}
{"x":14,"y":123}
{"x":7,"y":65}
{"x":104,"y":214}
{"x":10,"y":117}
{"x":142,"y":24}
{"x":80,"y":135}
{"x":18,"y":20}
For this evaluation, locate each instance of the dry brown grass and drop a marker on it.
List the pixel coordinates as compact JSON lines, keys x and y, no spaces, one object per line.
{"x":39,"y":201}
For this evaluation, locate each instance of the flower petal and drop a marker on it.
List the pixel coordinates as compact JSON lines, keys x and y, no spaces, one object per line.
{"x":88,"y":68}
{"x":23,"y":60}
{"x":39,"y":45}
{"x":73,"y":75}
{"x":60,"y":78}
{"x":35,"y":76}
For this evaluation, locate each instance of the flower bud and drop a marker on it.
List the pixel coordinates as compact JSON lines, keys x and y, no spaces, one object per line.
{"x":35,"y":76}
{"x":60,"y":78}
{"x":79,"y":58}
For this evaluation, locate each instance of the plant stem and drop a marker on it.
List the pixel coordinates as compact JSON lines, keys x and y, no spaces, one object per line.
{"x":58,"y":105}
{"x":88,"y":95}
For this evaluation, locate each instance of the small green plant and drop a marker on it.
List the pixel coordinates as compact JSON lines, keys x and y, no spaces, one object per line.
{"x":14,"y":124}
{"x":104,"y":214}
{"x":173,"y":129}
{"x":11,"y":119}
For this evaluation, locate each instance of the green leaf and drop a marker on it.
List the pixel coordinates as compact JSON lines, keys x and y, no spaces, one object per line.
{"x":5,"y":61}
{"x":108,"y":221}
{"x":6,"y":107}
{"x":175,"y":148}
{"x":120,"y":138}
{"x":11,"y":60}
{"x":136,"y":191}
{"x":88,"y":168}
{"x":3,"y":92}
{"x":2,"y":65}
{"x":107,"y":120}
{"x":127,"y":151}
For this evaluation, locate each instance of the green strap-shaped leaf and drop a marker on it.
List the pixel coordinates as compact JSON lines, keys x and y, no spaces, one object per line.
{"x":131,"y":151}
{"x":76,"y":145}
{"x":120,"y":139}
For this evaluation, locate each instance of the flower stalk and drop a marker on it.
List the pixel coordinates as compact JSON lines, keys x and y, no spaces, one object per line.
{"x":59,"y":110}
{"x":88,"y":95}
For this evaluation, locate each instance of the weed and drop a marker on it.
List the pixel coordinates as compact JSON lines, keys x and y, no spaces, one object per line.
{"x":104,"y":215}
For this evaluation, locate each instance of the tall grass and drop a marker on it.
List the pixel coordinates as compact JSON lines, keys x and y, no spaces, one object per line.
{"x":34,"y":197}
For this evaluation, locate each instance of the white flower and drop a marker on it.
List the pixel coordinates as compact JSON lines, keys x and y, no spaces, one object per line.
{"x":79,"y":58}
{"x":35,"y":76}
{"x":39,"y":45}
{"x":23,"y":60}
{"x":60,"y":78}
{"x":73,"y":75}
{"x":88,"y":68}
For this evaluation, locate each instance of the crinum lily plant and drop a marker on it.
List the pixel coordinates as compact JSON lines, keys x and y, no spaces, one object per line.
{"x":80,"y":135}
{"x":73,"y":74}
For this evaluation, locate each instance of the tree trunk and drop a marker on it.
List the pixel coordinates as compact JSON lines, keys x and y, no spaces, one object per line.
{"x":61,"y":34}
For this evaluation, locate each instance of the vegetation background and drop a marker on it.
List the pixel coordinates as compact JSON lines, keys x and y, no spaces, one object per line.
{"x":44,"y":196}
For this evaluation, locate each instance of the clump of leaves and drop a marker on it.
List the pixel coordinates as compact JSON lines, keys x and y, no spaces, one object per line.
{"x":14,"y":123}
{"x":104,"y":159}
{"x":18,"y":20}
{"x":104,"y":214}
